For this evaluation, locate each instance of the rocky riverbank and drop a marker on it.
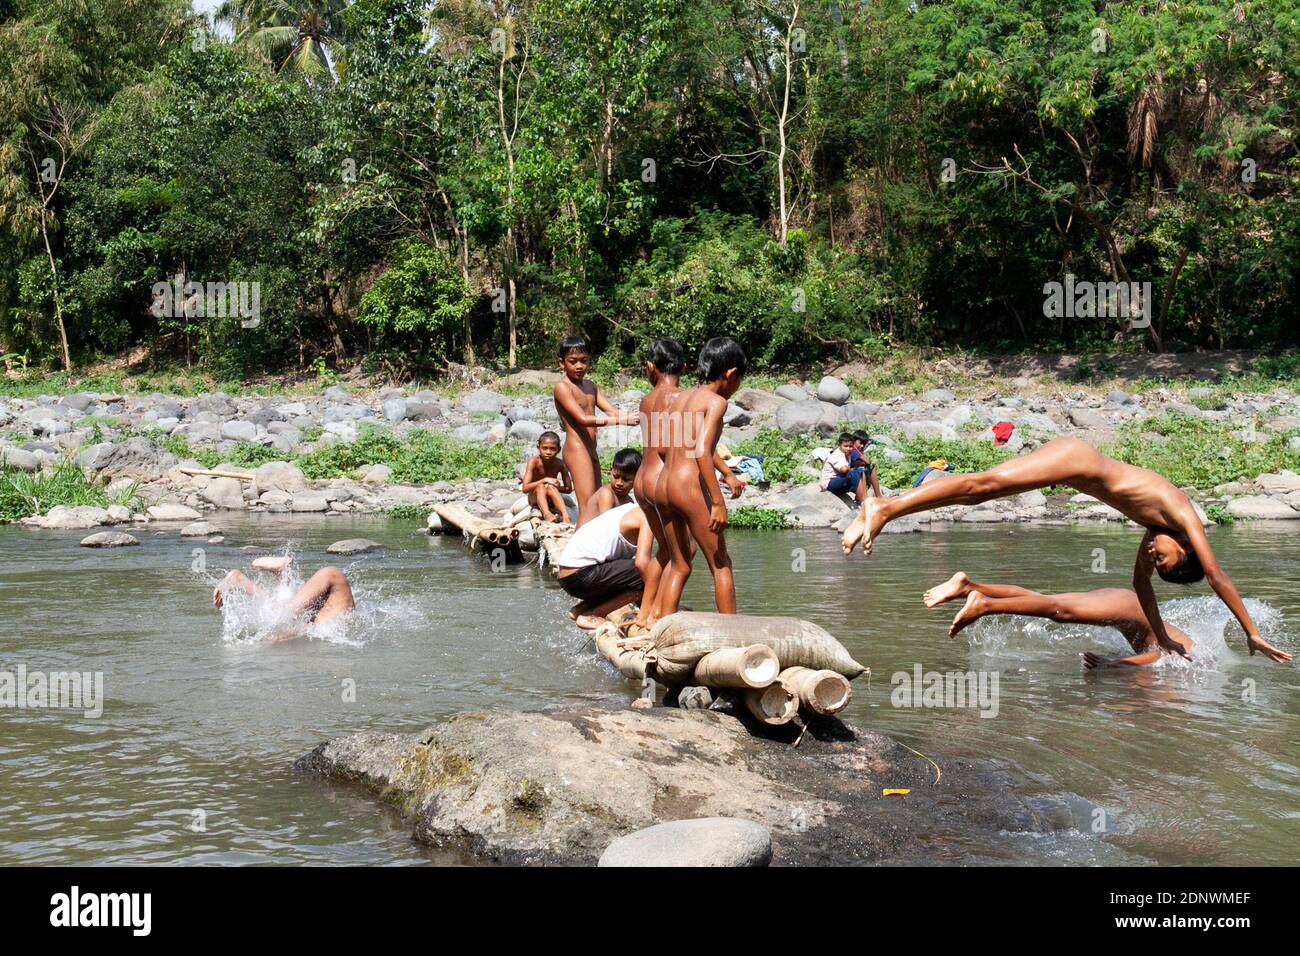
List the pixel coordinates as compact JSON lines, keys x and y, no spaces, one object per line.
{"x":123,"y":442}
{"x":557,"y":787}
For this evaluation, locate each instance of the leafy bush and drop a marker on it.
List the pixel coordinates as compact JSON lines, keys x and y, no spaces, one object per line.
{"x":782,"y":454}
{"x":422,"y":294}
{"x":762,"y":519}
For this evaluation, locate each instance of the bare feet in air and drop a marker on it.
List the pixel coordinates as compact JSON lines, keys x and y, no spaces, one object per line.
{"x":950,"y":589}
{"x":865,"y":527}
{"x":971,"y":611}
{"x":275,"y":563}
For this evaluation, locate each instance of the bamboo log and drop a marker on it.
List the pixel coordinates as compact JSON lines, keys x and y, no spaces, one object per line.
{"x":822,"y":692}
{"x":753,"y":666}
{"x":461,"y":518}
{"x":475,"y":528}
{"x":218,"y":473}
{"x":773,"y":705}
{"x":631,"y":662}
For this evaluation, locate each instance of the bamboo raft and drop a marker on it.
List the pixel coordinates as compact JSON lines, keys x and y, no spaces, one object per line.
{"x":517,"y":531}
{"x":780,"y":665}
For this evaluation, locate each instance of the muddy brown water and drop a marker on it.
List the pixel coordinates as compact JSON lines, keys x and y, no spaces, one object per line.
{"x":190,"y":761}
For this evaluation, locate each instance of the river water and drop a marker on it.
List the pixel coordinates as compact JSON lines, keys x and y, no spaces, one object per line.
{"x":190,"y":761}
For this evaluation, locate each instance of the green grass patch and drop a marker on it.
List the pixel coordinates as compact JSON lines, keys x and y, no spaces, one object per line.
{"x":758,"y":519}
{"x":967,"y":455}
{"x":408,"y":512}
{"x":1199,"y":453}
{"x":419,"y":457}
{"x":1219,"y":514}
{"x":23,"y":493}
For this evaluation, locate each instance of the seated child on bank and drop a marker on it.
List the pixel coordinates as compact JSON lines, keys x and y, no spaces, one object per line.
{"x":547,"y":480}
{"x":622,"y":474}
{"x":839,"y":474}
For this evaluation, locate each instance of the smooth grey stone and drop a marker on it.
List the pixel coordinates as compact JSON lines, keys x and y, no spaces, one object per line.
{"x":708,"y":841}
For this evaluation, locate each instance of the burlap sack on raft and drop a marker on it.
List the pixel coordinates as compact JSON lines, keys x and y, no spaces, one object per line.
{"x":678,"y":641}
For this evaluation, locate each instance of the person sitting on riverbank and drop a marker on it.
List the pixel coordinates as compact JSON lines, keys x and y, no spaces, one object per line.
{"x":326,"y":595}
{"x":1105,"y":607}
{"x":607,"y":563}
{"x":840,"y":474}
{"x":547,"y":479}
{"x":622,"y":475}
{"x":1175,"y":545}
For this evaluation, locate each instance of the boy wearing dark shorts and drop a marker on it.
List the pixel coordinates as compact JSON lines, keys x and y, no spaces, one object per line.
{"x":607,"y":563}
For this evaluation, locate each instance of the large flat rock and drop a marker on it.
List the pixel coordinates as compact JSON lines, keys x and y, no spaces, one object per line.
{"x":559,"y":786}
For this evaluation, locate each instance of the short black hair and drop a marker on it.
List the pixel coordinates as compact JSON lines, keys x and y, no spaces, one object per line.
{"x":718,"y":355}
{"x":627,"y":460}
{"x":548,"y":436}
{"x":844,"y":436}
{"x":1188,"y":570}
{"x":862,"y":437}
{"x":573,"y":343}
{"x":667,"y":355}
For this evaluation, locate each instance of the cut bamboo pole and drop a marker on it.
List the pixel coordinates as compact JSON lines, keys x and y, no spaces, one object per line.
{"x":773,"y":705}
{"x":822,"y":692}
{"x":218,"y":473}
{"x":631,"y":662}
{"x":753,"y":666}
{"x":462,"y":518}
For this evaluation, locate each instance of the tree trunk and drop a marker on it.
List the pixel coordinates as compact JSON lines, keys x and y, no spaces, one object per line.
{"x":54,"y":291}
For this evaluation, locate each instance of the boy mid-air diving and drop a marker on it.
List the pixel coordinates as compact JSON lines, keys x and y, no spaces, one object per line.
{"x":1175,"y":545}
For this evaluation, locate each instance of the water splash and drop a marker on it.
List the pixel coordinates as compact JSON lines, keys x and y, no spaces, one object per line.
{"x":1206,"y":619}
{"x":264,"y":616}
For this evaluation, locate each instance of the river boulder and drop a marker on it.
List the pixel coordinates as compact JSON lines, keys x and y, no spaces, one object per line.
{"x":560,"y":786}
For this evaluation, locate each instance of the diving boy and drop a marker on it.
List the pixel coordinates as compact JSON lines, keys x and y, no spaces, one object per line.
{"x":1175,"y":545}
{"x":622,"y":477}
{"x":1105,"y":607}
{"x":582,"y":409}
{"x":546,"y":479}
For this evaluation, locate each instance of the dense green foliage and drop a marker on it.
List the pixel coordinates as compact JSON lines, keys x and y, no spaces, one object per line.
{"x":409,"y":183}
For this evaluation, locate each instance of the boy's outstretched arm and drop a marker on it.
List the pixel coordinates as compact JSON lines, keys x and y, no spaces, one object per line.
{"x":1143,"y":568}
{"x":1093,"y":661}
{"x":1223,"y":586}
{"x":568,"y":405}
{"x":734,"y":484}
{"x":619,"y":417}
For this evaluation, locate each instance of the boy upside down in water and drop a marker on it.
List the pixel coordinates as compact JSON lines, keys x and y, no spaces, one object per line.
{"x":324,"y":596}
{"x":1106,"y":607}
{"x":582,"y":409}
{"x":1175,"y":545}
